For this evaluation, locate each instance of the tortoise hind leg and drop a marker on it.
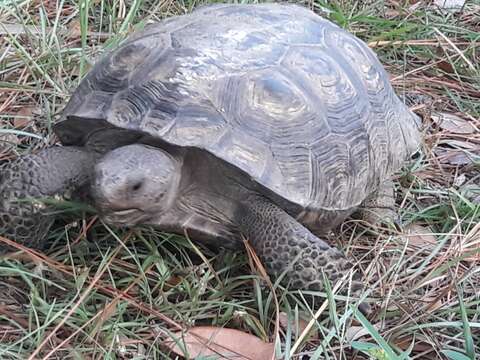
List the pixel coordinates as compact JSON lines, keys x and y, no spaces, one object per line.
{"x":379,"y":207}
{"x":285,"y":245}
{"x":51,"y":172}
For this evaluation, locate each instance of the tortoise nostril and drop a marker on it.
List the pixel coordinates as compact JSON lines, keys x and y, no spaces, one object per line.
{"x":137,"y":186}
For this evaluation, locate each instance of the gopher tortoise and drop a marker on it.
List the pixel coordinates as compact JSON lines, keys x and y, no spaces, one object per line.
{"x":260,"y":121}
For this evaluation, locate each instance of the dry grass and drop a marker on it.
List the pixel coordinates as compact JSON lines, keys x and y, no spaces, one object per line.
{"x":103,"y":293}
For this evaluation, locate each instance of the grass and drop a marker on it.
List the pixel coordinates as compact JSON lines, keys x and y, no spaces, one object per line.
{"x":107,"y":293}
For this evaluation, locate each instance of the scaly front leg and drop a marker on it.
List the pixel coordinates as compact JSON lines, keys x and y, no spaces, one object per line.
{"x":379,"y":207}
{"x":53,"y":171}
{"x":285,"y":245}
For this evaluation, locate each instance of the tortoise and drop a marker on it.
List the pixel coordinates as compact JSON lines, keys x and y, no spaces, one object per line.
{"x":265,"y":122}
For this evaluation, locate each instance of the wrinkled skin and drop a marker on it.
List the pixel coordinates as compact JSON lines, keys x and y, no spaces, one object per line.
{"x":140,"y":184}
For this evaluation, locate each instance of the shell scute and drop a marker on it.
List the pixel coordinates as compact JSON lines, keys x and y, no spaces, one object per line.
{"x":301,"y":106}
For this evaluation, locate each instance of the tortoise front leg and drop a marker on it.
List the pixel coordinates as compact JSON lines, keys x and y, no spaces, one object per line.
{"x":379,"y":207}
{"x":285,"y":245}
{"x":52,"y":172}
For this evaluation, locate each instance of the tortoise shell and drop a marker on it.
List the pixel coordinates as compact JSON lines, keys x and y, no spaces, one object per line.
{"x":300,"y":105}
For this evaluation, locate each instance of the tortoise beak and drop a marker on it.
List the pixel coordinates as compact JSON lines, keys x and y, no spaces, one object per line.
{"x":124,"y":217}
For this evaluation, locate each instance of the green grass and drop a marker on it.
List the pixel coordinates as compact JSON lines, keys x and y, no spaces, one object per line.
{"x":107,"y":293}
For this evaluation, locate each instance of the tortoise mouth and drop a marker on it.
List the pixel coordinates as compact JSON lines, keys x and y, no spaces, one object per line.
{"x":133,"y":216}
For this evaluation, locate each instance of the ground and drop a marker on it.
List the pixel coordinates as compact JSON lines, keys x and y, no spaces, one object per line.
{"x":105,"y":293}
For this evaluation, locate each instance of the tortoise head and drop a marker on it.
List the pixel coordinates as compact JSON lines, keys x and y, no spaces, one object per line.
{"x":135,"y":183}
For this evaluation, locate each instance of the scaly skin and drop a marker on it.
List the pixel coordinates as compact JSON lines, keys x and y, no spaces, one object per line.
{"x":52,"y":172}
{"x":379,"y":207}
{"x":279,"y":239}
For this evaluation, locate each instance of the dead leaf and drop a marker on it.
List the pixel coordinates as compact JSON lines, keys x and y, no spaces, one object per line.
{"x":446,"y":66}
{"x":106,"y":314}
{"x":472,"y":193}
{"x":174,"y":280}
{"x":457,"y":152}
{"x":391,"y":13}
{"x":414,"y":5}
{"x":435,"y":304}
{"x":453,"y":123}
{"x":356,"y":332}
{"x":450,"y":5}
{"x":459,"y":180}
{"x":455,"y":157}
{"x":302,"y":325}
{"x":23,"y":117}
{"x":18,"y":29}
{"x":220,"y":342}
{"x":419,"y":346}
{"x":7,"y":140}
{"x":50,"y":6}
{"x":459,"y":144}
{"x":74,"y":29}
{"x":419,"y":236}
